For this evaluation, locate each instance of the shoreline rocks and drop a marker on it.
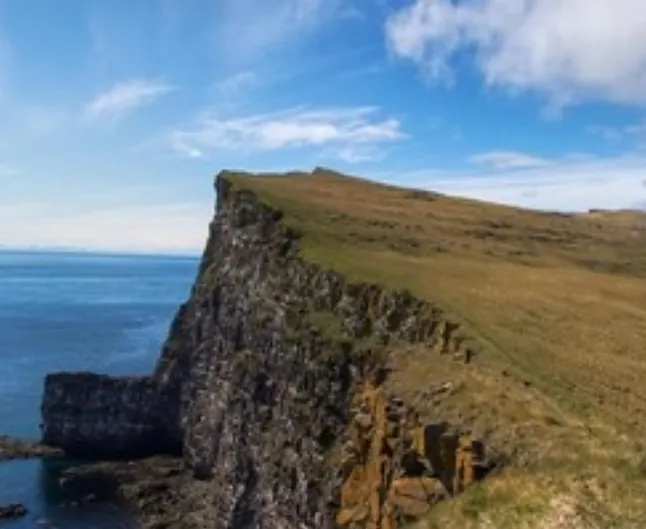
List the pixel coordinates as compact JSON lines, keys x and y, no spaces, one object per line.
{"x":155,"y":490}
{"x":14,"y":510}
{"x":12,"y":448}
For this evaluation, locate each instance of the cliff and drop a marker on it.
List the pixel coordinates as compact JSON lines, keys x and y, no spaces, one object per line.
{"x":295,"y":384}
{"x":251,"y":390}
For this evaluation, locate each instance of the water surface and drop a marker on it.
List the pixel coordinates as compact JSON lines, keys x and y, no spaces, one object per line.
{"x":75,"y":312}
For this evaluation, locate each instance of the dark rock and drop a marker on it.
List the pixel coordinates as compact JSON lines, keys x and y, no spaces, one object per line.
{"x":100,"y":417}
{"x":12,"y":448}
{"x":15,"y":510}
{"x":412,"y":464}
{"x":393,"y":415}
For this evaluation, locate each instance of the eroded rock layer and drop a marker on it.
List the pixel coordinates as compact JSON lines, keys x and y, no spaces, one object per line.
{"x":395,"y":467}
{"x":257,"y":384}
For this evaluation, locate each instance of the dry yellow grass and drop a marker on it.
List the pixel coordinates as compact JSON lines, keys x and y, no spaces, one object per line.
{"x":557,"y":303}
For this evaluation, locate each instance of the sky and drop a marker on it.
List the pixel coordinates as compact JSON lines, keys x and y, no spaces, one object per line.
{"x":115,"y":115}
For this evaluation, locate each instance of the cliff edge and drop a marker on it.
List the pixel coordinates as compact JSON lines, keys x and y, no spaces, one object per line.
{"x":309,"y":380}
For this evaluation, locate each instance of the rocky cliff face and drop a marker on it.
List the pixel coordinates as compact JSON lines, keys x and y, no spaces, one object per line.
{"x":257,"y":390}
{"x":98,"y":416}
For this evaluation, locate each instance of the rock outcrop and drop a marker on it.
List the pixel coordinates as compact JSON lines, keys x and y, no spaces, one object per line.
{"x":395,"y":468}
{"x":15,"y":510}
{"x":257,"y":384}
{"x":96,"y":416}
{"x":12,"y":448}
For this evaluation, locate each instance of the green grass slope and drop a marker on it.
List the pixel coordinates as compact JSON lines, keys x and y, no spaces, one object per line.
{"x":557,"y":303}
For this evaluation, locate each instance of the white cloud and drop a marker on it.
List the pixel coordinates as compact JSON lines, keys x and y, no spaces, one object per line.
{"x":359,"y":153}
{"x":125,"y":97}
{"x":341,"y":128}
{"x":573,"y":183}
{"x":234,"y":84}
{"x":185,"y":149}
{"x":567,"y":50}
{"x":508,"y":160}
{"x":165,"y":228}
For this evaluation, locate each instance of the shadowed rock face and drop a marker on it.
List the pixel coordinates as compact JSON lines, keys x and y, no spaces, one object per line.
{"x":251,"y":394}
{"x":96,"y":416}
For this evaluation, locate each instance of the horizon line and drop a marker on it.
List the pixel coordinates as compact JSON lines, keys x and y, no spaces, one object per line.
{"x":98,"y":251}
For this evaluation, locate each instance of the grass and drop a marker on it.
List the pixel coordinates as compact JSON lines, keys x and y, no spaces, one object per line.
{"x":557,"y":303}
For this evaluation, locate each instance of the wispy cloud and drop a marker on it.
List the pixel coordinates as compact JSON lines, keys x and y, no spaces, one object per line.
{"x":568,"y":51}
{"x":508,"y":160}
{"x":619,"y":133}
{"x":571,"y":183}
{"x":359,"y":153}
{"x":376,"y":68}
{"x":233,"y":84}
{"x":232,"y":92}
{"x":248,"y":29}
{"x":124,"y":98}
{"x":341,"y":128}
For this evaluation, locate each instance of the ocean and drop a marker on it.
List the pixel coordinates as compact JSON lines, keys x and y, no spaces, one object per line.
{"x":75,"y":312}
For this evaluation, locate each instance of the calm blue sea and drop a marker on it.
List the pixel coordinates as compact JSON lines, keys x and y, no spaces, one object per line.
{"x":74,"y":312}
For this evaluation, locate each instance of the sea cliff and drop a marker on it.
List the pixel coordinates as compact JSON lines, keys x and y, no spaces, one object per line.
{"x":270,"y":388}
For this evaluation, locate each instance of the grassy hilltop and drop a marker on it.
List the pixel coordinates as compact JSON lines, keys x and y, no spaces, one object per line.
{"x":557,"y":304}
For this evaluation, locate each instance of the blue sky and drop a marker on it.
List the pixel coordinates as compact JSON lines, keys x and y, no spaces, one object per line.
{"x":115,"y":115}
